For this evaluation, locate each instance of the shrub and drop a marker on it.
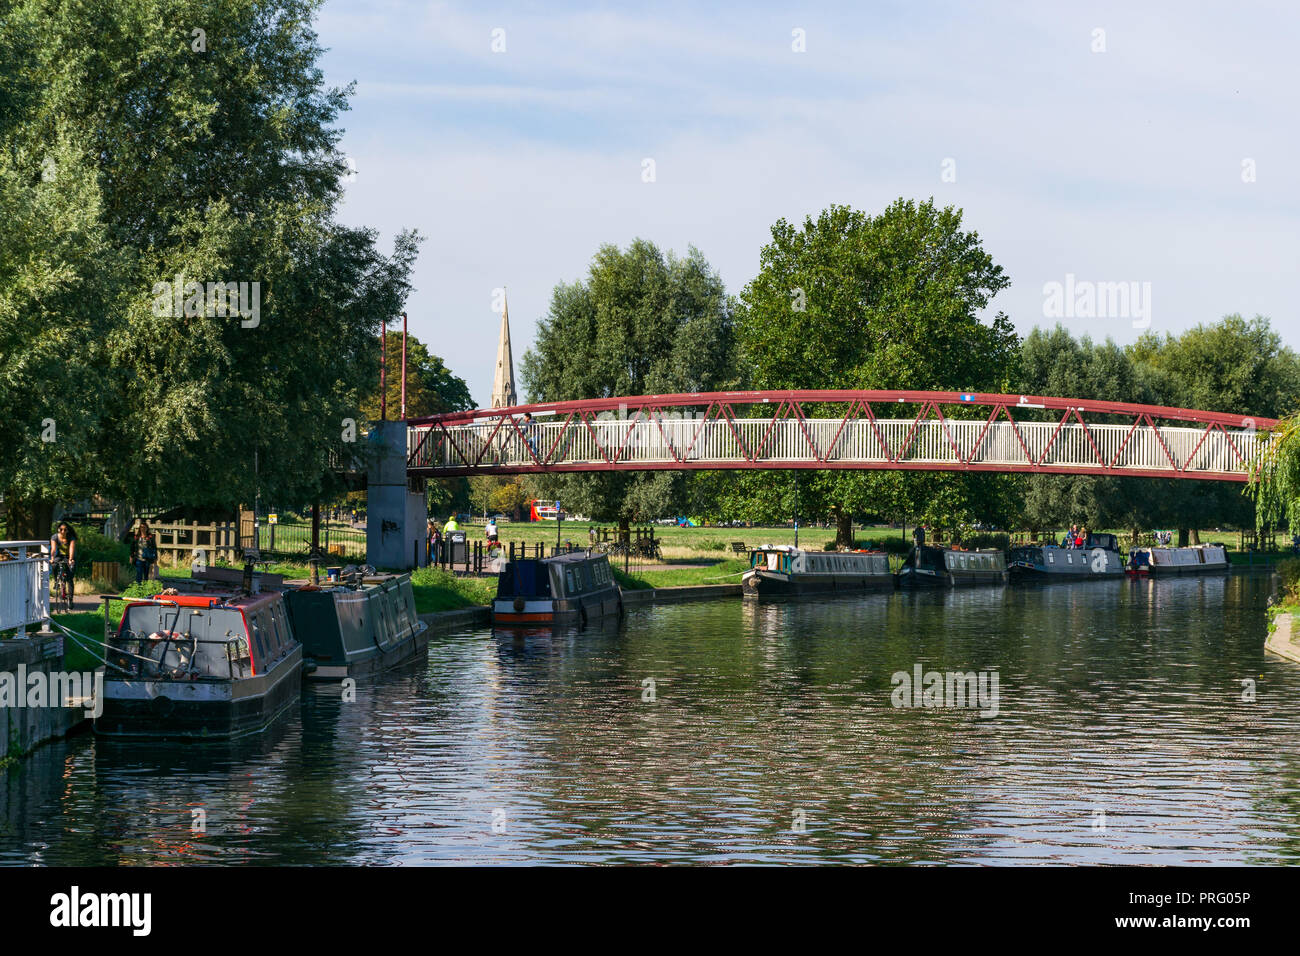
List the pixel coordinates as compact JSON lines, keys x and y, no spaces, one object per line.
{"x":1289,"y":571}
{"x":893,"y":545}
{"x":93,"y":546}
{"x":997,"y":541}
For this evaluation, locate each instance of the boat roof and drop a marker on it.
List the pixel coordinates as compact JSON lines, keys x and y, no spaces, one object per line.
{"x":791,"y":549}
{"x":241,"y":601}
{"x":570,"y":557}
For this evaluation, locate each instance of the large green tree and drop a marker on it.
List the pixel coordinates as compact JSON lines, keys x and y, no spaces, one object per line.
{"x":642,"y":322}
{"x":1053,"y":362}
{"x":1233,"y":365}
{"x":143,"y":140}
{"x":893,"y":300}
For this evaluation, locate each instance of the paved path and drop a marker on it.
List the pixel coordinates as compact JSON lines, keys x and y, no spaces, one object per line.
{"x":1283,"y":640}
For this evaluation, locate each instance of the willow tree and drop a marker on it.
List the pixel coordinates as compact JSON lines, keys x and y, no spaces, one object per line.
{"x":1275,"y":477}
{"x":641,"y":323}
{"x":182,"y":145}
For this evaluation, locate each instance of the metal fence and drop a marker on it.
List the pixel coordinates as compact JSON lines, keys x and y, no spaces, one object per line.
{"x":290,"y":539}
{"x":24,"y":584}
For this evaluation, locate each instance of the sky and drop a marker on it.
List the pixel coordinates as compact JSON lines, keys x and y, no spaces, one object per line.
{"x":1154,"y":145}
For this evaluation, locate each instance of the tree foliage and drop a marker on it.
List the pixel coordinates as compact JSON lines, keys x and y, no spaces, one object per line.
{"x":640,"y":323}
{"x":891,"y":301}
{"x":132,"y":151}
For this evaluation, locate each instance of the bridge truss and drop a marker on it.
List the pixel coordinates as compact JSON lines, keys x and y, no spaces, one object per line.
{"x":838,"y":429}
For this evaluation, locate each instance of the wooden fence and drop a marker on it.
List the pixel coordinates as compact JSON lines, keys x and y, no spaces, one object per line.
{"x":177,"y":542}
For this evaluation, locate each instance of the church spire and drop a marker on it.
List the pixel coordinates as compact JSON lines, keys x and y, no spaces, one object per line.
{"x":503,"y":382}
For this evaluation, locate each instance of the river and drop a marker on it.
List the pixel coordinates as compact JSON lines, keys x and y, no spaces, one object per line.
{"x":718,"y":732}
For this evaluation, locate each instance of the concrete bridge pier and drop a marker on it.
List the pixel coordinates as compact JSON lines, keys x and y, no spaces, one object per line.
{"x":396,"y":517}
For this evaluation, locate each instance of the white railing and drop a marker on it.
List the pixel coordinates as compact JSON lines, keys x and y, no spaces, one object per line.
{"x":24,"y":584}
{"x":714,"y":441}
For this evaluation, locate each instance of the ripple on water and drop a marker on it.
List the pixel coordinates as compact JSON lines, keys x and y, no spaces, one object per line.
{"x":1122,"y":736}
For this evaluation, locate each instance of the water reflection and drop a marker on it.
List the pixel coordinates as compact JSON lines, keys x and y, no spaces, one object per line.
{"x":727,"y":732}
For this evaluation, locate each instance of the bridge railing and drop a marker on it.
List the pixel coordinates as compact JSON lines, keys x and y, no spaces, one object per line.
{"x":24,"y":584}
{"x":750,"y":442}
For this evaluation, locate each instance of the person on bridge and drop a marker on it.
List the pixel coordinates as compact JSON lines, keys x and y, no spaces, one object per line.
{"x":530,"y":431}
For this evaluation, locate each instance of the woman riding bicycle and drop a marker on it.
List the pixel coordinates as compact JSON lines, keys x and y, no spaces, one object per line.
{"x":63,"y":554}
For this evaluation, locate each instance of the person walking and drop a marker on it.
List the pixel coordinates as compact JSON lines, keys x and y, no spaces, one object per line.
{"x":144,"y":551}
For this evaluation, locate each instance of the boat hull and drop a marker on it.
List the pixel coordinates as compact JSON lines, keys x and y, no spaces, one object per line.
{"x":200,"y":710}
{"x":579,"y":610}
{"x":763,"y":585}
{"x":1170,"y":562}
{"x":357,"y":632}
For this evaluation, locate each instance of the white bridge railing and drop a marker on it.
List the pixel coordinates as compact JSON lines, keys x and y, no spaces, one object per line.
{"x":762,"y":442}
{"x":24,"y":584}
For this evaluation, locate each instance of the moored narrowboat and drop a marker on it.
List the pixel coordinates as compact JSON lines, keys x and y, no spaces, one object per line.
{"x":356,"y":629}
{"x":200,"y":666}
{"x":1197,"y":559}
{"x":572,"y":588}
{"x":927,"y":566}
{"x":1098,"y":558}
{"x":780,"y":571}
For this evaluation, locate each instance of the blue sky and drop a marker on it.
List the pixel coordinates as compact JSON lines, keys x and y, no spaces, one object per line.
{"x":1117,"y":166}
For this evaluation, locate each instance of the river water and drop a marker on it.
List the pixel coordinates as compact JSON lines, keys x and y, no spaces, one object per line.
{"x":720,"y":732}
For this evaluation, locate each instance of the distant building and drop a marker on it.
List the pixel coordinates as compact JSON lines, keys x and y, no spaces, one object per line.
{"x":503,"y":381}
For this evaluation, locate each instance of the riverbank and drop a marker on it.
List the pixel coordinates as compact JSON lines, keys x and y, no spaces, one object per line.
{"x":1284,"y":637}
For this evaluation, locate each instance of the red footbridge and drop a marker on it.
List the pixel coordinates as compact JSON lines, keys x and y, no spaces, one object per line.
{"x":837,"y":428}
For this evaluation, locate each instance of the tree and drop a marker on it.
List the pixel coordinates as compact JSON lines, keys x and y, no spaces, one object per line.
{"x":851,"y":300}
{"x":1275,"y":479}
{"x":641,"y":323}
{"x":431,"y":388}
{"x":1054,"y":363}
{"x":1232,"y":365}
{"x":136,"y":151}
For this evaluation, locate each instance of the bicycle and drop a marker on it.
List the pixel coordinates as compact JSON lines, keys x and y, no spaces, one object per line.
{"x":61,"y":586}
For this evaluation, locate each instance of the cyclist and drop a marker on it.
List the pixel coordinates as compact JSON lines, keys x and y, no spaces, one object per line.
{"x":63,"y":555}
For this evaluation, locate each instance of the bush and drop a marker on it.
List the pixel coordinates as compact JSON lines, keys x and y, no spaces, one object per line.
{"x":997,"y":541}
{"x":1289,"y":571}
{"x":893,"y":545}
{"x":93,"y":546}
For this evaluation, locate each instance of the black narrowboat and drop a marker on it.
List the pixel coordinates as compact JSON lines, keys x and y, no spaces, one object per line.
{"x":572,"y":588}
{"x":200,"y":666}
{"x":927,"y":566}
{"x":1098,"y":558}
{"x":356,"y":629}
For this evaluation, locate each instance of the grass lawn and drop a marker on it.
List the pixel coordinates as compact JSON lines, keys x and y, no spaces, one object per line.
{"x":719,"y":572}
